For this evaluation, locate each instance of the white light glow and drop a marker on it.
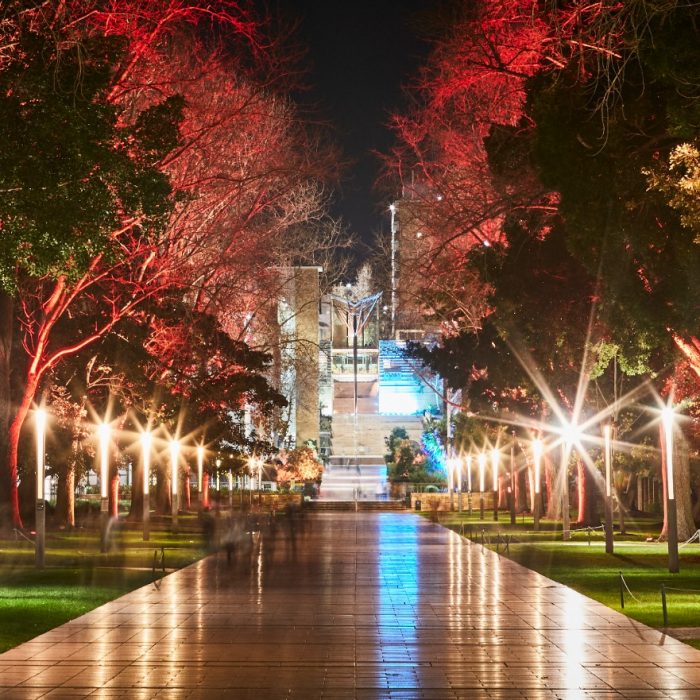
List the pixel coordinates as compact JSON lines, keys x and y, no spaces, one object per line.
{"x":104,"y":431}
{"x":468,"y":461}
{"x":495,"y":456}
{"x":174,"y":455}
{"x":537,"y":459}
{"x":608,"y":459}
{"x":40,"y":420}
{"x":200,"y":467}
{"x":667,"y":417}
{"x":146,"y":442}
{"x":482,"y":471}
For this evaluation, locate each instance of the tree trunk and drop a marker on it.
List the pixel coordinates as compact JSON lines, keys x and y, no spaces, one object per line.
{"x":586,"y":491}
{"x":520,"y":490}
{"x":6,"y":327}
{"x":681,"y":485}
{"x":205,"y":491}
{"x":114,"y":496}
{"x":65,"y":497}
{"x":553,"y":499}
{"x":136,"y":503}
{"x":186,"y":491}
{"x":14,"y":434}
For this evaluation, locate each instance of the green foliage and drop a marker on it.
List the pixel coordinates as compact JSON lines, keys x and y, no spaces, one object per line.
{"x":71,"y":171}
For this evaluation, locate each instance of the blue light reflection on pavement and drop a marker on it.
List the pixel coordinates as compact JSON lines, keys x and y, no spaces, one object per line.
{"x":398,"y":598}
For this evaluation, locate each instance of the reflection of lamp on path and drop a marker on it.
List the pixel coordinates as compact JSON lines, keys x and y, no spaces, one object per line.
{"x":40,"y":509}
{"x":667,"y":418}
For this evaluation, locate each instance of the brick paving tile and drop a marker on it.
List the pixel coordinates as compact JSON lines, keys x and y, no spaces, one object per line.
{"x":362,"y":606}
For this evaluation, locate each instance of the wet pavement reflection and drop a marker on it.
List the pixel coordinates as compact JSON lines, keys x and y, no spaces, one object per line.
{"x":345,"y":605}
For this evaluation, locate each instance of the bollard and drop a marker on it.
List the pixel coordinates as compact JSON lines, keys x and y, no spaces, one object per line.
{"x":663,"y":604}
{"x":482,"y":536}
{"x":622,"y":592}
{"x":498,"y":540}
{"x":507,"y":549}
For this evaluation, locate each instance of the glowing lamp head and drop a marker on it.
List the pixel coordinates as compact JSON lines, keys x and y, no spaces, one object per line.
{"x":103,"y":430}
{"x":200,"y":452}
{"x":668,"y":415}
{"x":571,"y":433}
{"x":146,"y":441}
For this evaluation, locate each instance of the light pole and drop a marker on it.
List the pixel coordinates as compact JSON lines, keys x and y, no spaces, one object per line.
{"x":537,"y":460}
{"x":482,"y":478}
{"x":667,"y":417}
{"x":40,"y":507}
{"x":495,"y":455}
{"x":174,"y":496}
{"x":146,"y":442}
{"x":450,"y":483}
{"x":230,"y":489}
{"x":260,"y":466}
{"x":458,"y":472}
{"x":512,"y":480}
{"x":607,"y":440}
{"x":104,"y":432}
{"x":200,"y":475}
{"x":468,"y":464}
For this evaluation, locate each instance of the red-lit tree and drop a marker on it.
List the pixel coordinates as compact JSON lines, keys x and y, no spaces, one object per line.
{"x":241,"y":167}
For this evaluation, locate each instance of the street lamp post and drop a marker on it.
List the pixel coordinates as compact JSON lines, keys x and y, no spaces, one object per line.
{"x":458,"y":471}
{"x":468,"y":465}
{"x":482,"y":477}
{"x":667,"y":417}
{"x":230,"y":489}
{"x":146,"y":441}
{"x":200,"y":475}
{"x":260,"y":466}
{"x":607,"y":440}
{"x":512,"y":480}
{"x":104,"y":436}
{"x":495,"y":455}
{"x":174,"y":495}
{"x":40,"y":508}
{"x":565,"y":515}
{"x":537,"y":459}
{"x":450,"y":482}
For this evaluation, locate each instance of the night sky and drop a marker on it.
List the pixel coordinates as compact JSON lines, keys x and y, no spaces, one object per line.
{"x":360,"y":54}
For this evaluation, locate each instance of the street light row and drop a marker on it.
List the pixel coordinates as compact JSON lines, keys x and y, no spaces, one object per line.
{"x":104,"y":436}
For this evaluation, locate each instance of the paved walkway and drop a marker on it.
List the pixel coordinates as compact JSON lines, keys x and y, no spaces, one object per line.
{"x":364,"y":606}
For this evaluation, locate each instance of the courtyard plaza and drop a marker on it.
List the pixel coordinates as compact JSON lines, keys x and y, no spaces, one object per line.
{"x":353,"y":605}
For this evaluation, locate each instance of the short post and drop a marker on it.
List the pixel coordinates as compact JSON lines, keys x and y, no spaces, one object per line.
{"x":664,"y":607}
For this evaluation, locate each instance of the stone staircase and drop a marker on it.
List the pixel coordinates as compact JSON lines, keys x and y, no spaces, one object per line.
{"x":321,"y":506}
{"x":351,"y":482}
{"x":365,"y":438}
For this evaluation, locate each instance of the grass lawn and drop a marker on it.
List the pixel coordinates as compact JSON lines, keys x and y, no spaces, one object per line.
{"x":588,"y":569}
{"x":78,"y":578}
